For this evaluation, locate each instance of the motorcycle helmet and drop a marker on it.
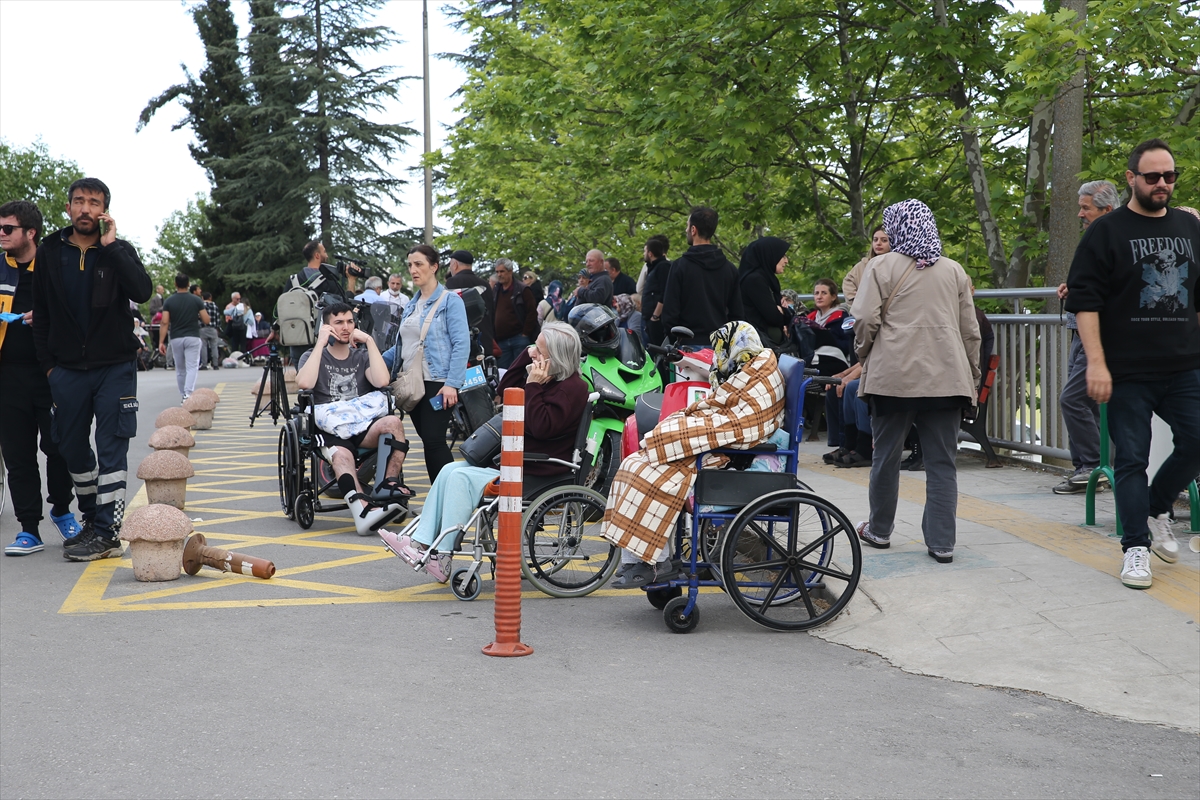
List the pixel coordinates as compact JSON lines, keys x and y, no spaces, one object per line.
{"x":596,"y":326}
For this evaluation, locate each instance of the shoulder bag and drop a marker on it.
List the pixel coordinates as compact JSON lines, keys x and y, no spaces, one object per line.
{"x":409,"y":386}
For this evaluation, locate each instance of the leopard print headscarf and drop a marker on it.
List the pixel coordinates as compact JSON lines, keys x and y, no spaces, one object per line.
{"x":912,"y":231}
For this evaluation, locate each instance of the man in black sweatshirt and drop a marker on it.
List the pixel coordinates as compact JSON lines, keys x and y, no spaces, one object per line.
{"x":83,"y":331}
{"x":1132,"y":286}
{"x":702,"y":287}
{"x":25,"y":400}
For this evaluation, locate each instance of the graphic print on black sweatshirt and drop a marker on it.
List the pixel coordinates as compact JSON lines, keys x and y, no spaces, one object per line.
{"x":1165,"y":263}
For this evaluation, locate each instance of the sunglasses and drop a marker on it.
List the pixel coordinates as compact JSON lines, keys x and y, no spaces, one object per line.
{"x":1152,"y":178}
{"x":8,"y":229}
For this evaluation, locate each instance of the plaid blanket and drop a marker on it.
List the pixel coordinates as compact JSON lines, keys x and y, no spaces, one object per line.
{"x":649,"y":490}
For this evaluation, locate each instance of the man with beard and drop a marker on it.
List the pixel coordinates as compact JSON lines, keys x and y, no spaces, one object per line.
{"x":706,"y":279}
{"x":82,"y":329}
{"x":1132,"y":287}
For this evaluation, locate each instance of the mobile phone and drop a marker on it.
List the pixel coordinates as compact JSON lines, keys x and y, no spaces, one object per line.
{"x":437,"y":401}
{"x":103,"y":227}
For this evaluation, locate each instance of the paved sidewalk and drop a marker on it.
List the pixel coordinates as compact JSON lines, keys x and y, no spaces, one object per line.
{"x":1032,"y":600}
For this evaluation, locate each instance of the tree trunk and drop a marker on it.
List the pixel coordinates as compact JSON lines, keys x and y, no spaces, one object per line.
{"x":1065,"y":166}
{"x":1037,"y":156}
{"x":854,"y":134}
{"x":323,"y":137}
{"x":973,"y":155}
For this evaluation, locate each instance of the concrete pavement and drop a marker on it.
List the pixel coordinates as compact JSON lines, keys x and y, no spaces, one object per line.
{"x":349,"y":675}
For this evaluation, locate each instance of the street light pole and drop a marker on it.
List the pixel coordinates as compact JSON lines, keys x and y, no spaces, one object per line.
{"x":428,"y":129}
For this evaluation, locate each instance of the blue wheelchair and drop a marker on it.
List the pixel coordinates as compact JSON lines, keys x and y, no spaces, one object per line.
{"x":789,"y":559}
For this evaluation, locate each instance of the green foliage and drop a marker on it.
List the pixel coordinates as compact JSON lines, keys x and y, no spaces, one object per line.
{"x":31,"y":173}
{"x":595,"y":124}
{"x":176,"y":243}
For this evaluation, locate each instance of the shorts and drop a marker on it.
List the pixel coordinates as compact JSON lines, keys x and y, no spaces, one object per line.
{"x":352,"y":444}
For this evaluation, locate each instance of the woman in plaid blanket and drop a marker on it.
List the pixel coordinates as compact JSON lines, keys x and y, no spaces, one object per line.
{"x":649,"y":490}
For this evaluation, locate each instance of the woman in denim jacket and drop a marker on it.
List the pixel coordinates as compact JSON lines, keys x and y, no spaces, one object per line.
{"x":447,"y":347}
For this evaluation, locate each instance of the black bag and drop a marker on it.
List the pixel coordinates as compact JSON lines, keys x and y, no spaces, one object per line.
{"x":483,"y":445}
{"x":475,"y":407}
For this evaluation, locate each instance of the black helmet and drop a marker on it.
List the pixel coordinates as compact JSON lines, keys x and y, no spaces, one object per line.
{"x":596,"y":325}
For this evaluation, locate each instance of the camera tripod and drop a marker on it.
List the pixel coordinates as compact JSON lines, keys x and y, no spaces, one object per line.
{"x":278,"y":404}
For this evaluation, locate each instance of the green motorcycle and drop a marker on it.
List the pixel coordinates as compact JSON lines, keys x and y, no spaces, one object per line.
{"x":616,"y":366}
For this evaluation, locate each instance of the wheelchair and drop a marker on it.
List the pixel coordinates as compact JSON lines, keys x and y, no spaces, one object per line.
{"x":306,"y":474}
{"x":789,"y":559}
{"x":562,"y":553}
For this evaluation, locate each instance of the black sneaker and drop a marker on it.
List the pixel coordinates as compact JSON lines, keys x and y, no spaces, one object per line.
{"x":92,"y":548}
{"x":87,"y":531}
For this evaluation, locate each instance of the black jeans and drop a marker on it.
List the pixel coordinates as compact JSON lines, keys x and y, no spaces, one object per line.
{"x":24,"y":426}
{"x":431,"y":427}
{"x":1175,"y":398}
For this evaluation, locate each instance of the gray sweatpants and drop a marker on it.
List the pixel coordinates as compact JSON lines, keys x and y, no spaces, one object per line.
{"x":210,"y":352}
{"x":939,"y":443}
{"x":187,"y":361}
{"x":1080,"y":414}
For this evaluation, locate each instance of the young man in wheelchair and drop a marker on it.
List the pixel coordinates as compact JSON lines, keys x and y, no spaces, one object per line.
{"x":349,"y":380}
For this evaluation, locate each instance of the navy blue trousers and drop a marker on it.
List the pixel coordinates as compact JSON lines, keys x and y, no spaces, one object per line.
{"x":109,"y":395}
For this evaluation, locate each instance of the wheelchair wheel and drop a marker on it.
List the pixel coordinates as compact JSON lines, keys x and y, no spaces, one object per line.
{"x":464,"y":588}
{"x":564,"y":555}
{"x":305,"y":511}
{"x":791,"y":560}
{"x":676,"y":620}
{"x":289,"y":469}
{"x":660,"y":597}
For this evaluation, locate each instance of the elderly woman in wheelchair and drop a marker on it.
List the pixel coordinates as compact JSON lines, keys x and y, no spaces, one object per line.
{"x":351,"y":412}
{"x":651,"y":488}
{"x":556,"y":398}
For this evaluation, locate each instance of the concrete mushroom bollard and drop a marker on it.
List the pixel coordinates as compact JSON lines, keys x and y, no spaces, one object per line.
{"x":174,"y":416}
{"x":156,"y":534}
{"x":173,"y":437}
{"x":200,"y":407}
{"x":206,"y":392}
{"x":165,"y":473}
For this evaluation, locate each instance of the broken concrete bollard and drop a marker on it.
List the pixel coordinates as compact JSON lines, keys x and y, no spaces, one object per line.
{"x":156,"y":534}
{"x":201,"y":407}
{"x":173,"y":437}
{"x":174,"y":415}
{"x":197,"y":553}
{"x":165,"y":473}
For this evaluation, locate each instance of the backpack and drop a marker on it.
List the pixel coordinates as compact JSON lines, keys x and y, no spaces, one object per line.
{"x":296,"y":314}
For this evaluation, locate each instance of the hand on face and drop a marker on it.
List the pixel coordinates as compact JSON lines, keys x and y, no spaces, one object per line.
{"x":359,"y":337}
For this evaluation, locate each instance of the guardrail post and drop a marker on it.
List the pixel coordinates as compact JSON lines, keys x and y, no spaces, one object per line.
{"x":1105,"y":468}
{"x":508,"y":543}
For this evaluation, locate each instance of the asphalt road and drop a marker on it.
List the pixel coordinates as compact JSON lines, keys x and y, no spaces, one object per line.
{"x":394,"y":699}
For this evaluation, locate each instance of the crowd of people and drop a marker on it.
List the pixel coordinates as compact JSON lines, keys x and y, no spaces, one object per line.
{"x":907,"y":343}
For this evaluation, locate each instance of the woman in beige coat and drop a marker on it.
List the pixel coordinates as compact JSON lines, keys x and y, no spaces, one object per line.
{"x":917,"y":337}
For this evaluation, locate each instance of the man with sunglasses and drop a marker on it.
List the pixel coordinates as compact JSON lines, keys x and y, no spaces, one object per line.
{"x":83,"y":332}
{"x":24,"y":392}
{"x":1132,"y":286}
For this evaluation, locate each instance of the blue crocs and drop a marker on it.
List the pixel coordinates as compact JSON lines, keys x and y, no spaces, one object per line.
{"x":25,"y":544}
{"x":67,"y":525}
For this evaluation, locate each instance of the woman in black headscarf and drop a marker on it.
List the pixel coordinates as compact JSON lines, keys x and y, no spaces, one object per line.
{"x":763,"y":261}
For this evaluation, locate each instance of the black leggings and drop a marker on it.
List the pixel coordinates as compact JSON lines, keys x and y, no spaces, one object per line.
{"x":431,"y":427}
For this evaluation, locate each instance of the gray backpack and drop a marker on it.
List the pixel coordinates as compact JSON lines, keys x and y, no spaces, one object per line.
{"x":296,"y":313}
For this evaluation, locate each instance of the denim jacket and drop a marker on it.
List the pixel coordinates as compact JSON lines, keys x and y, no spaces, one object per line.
{"x":448,"y":343}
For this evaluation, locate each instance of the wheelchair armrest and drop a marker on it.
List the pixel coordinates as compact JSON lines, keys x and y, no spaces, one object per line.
{"x":304,"y":399}
{"x":765,"y":447}
{"x":537,"y":457}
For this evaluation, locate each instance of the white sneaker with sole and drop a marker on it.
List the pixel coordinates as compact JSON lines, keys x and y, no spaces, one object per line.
{"x":1135,"y":571}
{"x":1163,"y":543}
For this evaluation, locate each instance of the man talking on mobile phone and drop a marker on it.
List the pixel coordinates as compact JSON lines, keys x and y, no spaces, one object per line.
{"x":82,"y":330}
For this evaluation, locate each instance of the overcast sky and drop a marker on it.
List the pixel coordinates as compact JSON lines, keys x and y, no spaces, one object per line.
{"x":81,"y":91}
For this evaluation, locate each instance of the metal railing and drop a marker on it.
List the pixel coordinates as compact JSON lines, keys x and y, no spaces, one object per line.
{"x":1023,"y":410}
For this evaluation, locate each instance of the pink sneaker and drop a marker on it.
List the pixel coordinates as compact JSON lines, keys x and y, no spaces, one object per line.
{"x":395,"y":542}
{"x":438,"y":568}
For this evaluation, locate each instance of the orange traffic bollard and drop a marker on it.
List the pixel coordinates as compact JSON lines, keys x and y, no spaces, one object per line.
{"x":197,"y":553}
{"x":508,"y":543}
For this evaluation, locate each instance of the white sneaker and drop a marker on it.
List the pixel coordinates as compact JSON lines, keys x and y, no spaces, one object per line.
{"x":1163,"y":543}
{"x":1135,"y":572}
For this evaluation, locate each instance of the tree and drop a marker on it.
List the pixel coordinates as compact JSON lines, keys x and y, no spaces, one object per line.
{"x":176,"y":243}
{"x":31,"y":173}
